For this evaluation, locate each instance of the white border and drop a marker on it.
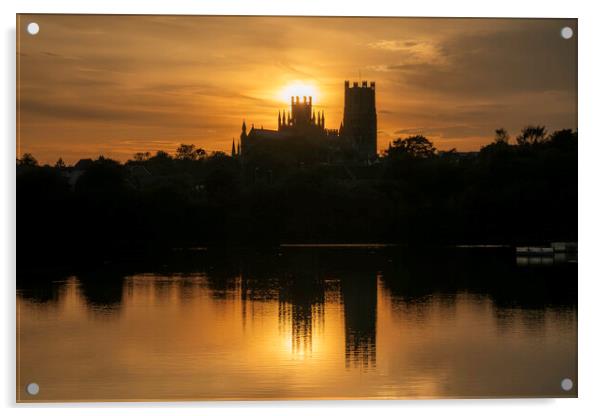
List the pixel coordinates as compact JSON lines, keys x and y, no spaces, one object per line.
{"x":590,"y":212}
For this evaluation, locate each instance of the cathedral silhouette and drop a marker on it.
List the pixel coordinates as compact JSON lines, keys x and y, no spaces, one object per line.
{"x":355,"y":139}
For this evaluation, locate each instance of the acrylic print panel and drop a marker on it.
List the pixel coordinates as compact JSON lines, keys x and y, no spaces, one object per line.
{"x":215,"y":208}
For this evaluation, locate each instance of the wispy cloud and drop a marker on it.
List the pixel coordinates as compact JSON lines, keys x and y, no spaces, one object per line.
{"x":413,"y":51}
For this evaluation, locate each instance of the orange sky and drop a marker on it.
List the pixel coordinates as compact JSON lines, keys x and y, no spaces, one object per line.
{"x":116,"y":85}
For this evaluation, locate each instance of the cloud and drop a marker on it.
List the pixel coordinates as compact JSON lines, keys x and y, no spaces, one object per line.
{"x":528,"y":59}
{"x":412,"y":51}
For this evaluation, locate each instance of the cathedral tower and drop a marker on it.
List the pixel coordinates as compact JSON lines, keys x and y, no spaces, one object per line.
{"x":359,"y":118}
{"x":301,"y":111}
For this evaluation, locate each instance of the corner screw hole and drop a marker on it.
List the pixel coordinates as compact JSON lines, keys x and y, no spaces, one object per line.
{"x":33,"y":28}
{"x":566,"y":384}
{"x":33,"y":389}
{"x":566,"y":32}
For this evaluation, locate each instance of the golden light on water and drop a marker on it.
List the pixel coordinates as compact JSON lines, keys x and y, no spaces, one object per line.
{"x":175,"y":337}
{"x":299,"y":89}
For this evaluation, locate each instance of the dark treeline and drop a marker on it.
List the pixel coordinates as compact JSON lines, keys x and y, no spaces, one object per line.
{"x":525,"y":192}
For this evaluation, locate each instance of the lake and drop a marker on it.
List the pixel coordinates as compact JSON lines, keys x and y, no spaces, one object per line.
{"x":347,"y":322}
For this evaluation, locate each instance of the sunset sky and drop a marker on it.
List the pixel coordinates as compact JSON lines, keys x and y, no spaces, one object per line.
{"x":116,"y":85}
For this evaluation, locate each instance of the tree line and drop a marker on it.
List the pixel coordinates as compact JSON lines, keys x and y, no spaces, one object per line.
{"x":511,"y":191}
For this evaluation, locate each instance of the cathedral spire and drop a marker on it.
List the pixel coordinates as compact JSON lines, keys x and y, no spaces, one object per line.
{"x":243,"y":134}
{"x":233,"y":153}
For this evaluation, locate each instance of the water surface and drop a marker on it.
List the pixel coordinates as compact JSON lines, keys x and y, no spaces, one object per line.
{"x":301,"y":323}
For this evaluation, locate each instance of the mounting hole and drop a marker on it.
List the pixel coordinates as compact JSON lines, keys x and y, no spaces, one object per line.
{"x":33,"y":28}
{"x":566,"y":32}
{"x":566,"y":384}
{"x":33,"y":389}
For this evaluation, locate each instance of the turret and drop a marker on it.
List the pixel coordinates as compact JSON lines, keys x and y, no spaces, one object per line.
{"x":359,"y":118}
{"x":243,"y":138}
{"x":243,"y":134}
{"x":233,"y":153}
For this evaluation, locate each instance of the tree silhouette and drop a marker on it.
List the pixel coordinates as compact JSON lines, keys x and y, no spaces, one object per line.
{"x":141,"y":156}
{"x":417,"y":147}
{"x":189,"y":152}
{"x":28,"y":160}
{"x":565,"y":139}
{"x":501,"y":136}
{"x":103,"y":176}
{"x":162,"y":155}
{"x":60,"y":164}
{"x":531,"y":135}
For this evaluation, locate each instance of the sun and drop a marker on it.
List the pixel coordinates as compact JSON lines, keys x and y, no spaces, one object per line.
{"x":298,"y":89}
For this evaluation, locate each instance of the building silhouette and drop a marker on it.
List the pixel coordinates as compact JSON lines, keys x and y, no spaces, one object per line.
{"x":302,"y":126}
{"x":359,"y":118}
{"x":360,"y":298}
